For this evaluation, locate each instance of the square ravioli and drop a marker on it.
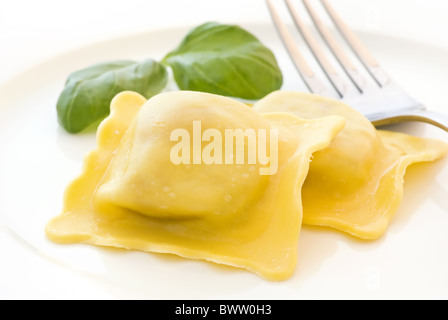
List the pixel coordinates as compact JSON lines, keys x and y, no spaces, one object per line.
{"x":356,"y":184}
{"x":171,"y":175}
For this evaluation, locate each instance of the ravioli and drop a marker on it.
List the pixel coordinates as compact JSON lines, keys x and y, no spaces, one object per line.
{"x":132,"y":194}
{"x":356,"y":184}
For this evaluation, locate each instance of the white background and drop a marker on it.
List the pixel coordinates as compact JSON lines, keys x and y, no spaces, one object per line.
{"x":36,"y":31}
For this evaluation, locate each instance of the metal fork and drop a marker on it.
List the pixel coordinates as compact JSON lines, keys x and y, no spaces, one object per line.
{"x":382,"y":102}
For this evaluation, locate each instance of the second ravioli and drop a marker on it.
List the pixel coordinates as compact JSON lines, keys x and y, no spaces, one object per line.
{"x":356,"y":184}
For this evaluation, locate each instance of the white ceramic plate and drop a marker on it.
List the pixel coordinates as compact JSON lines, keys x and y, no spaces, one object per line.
{"x":38,"y":159}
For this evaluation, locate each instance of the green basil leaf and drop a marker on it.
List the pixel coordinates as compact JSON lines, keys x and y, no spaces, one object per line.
{"x":225,"y":60}
{"x":88,"y":92}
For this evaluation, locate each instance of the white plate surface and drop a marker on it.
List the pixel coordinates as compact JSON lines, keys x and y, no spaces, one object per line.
{"x":38,"y":159}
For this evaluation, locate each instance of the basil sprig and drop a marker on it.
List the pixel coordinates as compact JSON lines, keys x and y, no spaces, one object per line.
{"x":213,"y":58}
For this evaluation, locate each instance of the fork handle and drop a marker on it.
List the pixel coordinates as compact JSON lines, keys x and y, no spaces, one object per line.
{"x":437,"y":119}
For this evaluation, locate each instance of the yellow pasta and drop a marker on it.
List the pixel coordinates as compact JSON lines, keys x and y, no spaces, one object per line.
{"x":356,"y":184}
{"x":139,"y":191}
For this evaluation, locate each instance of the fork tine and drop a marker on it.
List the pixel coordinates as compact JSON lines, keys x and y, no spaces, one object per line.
{"x":358,"y":80}
{"x":370,"y":63}
{"x":312,"y":43}
{"x":306,"y":72}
